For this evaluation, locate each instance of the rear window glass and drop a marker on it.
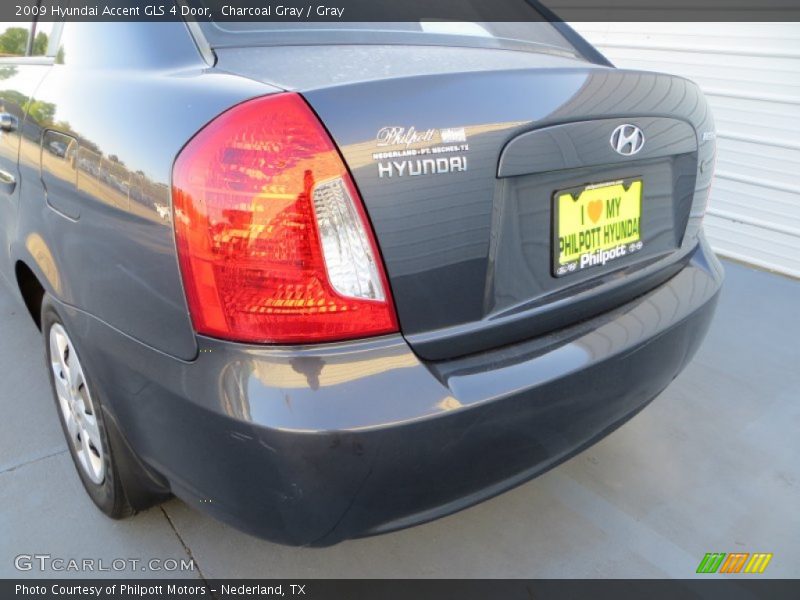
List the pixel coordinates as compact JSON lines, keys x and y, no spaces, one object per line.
{"x":45,"y":36}
{"x":532,"y":36}
{"x":15,"y":39}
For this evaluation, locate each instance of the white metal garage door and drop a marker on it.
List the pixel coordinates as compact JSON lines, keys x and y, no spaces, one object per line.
{"x":750,"y":73}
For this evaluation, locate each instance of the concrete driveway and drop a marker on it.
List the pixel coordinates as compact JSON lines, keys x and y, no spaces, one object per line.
{"x":711,"y":465}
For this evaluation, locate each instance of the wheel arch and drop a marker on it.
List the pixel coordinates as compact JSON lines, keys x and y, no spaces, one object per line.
{"x":31,"y":290}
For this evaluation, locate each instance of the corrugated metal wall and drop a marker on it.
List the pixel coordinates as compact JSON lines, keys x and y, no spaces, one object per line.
{"x":750,"y":73}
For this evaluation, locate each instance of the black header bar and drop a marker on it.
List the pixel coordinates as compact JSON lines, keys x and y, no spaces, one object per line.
{"x":299,"y":11}
{"x":406,"y":589}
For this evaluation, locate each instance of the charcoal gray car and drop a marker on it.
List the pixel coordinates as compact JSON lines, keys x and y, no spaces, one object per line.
{"x":331,"y":281}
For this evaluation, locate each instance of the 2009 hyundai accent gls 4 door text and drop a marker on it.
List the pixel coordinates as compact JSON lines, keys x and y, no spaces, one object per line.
{"x":330,"y":282}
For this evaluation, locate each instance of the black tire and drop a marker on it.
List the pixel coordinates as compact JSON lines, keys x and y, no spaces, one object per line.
{"x":123,"y":477}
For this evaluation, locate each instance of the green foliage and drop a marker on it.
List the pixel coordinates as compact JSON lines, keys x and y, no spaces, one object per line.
{"x":7,"y":71}
{"x":41,"y":112}
{"x":12,"y":101}
{"x":13,"y":41}
{"x":40,"y":44}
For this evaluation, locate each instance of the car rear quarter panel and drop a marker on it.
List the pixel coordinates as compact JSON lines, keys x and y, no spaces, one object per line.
{"x":96,"y":223}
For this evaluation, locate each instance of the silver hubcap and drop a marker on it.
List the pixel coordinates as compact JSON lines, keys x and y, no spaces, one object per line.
{"x":76,"y":405}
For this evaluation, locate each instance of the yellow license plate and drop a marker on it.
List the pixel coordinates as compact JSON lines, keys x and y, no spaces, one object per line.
{"x":596,"y":224}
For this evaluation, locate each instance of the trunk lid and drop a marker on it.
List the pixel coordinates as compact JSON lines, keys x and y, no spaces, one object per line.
{"x":459,"y":169}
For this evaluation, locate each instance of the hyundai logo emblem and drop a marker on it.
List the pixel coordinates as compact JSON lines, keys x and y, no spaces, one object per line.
{"x":627,"y":139}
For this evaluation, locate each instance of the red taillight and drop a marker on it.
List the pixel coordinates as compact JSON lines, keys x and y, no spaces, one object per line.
{"x":273,"y":242}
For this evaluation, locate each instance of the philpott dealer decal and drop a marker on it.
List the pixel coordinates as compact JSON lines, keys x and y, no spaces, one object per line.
{"x":420,"y":152}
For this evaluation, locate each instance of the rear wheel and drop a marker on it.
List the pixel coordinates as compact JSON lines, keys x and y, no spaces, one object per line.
{"x":91,"y":442}
{"x":78,"y":412}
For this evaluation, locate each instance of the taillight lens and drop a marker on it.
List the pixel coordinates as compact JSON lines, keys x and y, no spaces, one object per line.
{"x":273,"y":242}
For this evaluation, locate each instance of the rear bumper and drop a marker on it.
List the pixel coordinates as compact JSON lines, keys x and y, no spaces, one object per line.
{"x":314,"y":445}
